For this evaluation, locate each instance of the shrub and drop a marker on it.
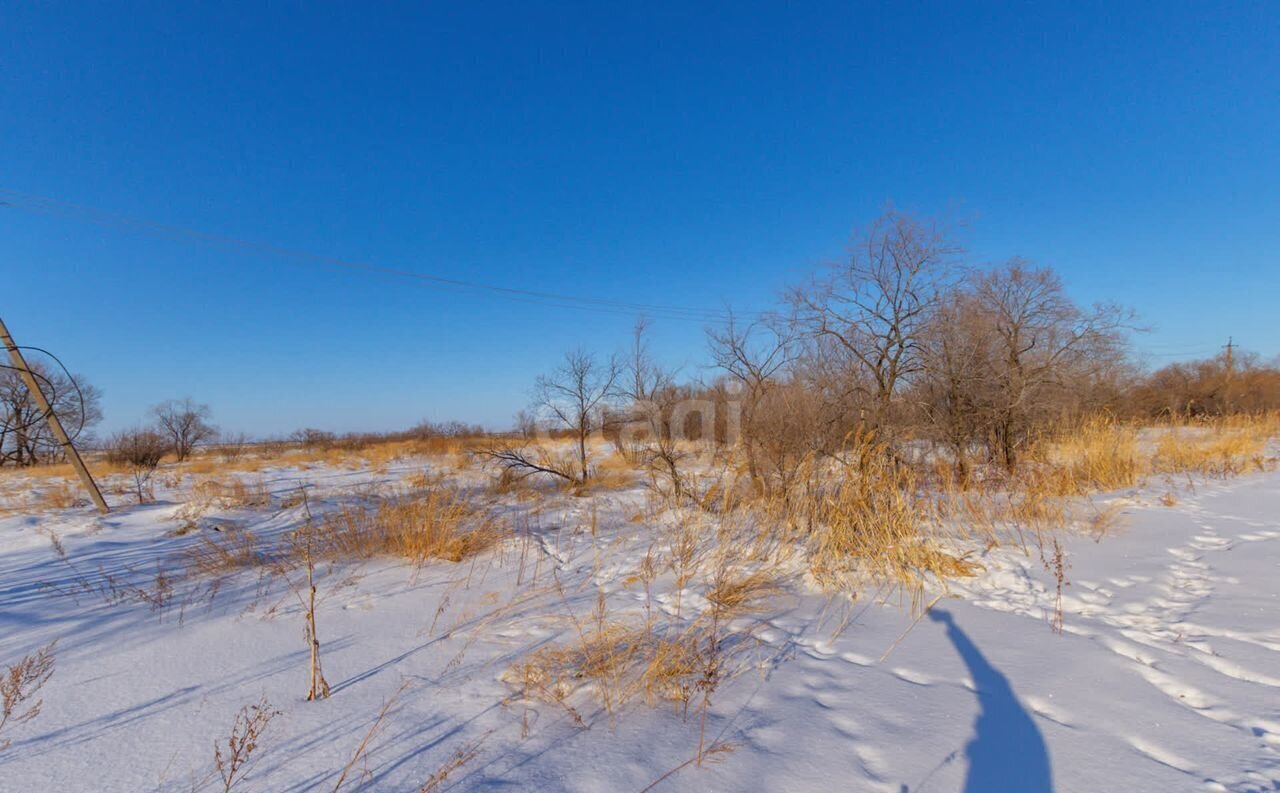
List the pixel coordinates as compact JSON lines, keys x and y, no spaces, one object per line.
{"x":140,"y":451}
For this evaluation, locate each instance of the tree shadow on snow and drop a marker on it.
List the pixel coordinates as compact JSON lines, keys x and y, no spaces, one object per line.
{"x":1007,"y":753}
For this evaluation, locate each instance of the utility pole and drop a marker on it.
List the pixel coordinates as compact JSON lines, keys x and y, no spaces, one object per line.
{"x":55,"y":424}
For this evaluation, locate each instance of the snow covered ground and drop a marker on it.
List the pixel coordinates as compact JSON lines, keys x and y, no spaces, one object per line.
{"x":1166,"y":676}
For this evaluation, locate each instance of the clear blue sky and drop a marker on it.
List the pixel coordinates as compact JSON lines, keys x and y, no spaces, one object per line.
{"x":683,"y":153}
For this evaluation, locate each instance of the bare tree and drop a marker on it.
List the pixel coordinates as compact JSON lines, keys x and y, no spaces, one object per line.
{"x":658,"y":410}
{"x":1209,"y":387}
{"x":186,"y":423}
{"x":575,"y":395}
{"x":954,"y":393}
{"x":1045,"y":348}
{"x":869,"y":312}
{"x":754,"y":355}
{"x":25,"y":437}
{"x":526,"y":424}
{"x":572,"y":398}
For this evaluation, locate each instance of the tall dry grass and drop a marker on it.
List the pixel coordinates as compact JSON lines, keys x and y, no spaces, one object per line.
{"x":1218,"y":447}
{"x":442,"y":522}
{"x":1100,"y":453}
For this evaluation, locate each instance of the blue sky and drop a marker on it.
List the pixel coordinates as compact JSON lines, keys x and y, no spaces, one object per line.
{"x":691,"y":154}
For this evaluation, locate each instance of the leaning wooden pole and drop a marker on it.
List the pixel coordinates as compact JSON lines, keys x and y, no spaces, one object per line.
{"x":20,"y":363}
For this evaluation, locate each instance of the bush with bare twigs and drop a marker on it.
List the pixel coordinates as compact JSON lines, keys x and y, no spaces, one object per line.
{"x":20,"y":685}
{"x":139,"y":450}
{"x":234,"y":757}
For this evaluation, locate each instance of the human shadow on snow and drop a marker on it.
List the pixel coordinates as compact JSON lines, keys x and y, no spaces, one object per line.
{"x":1007,"y":753}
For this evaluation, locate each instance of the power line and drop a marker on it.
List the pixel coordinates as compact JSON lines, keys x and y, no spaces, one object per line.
{"x":1182,"y":354}
{"x":86,"y":214}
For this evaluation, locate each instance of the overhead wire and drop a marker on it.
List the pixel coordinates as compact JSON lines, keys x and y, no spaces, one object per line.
{"x":88,"y":214}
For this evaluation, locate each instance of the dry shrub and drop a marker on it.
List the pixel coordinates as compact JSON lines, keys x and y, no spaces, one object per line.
{"x":140,"y":451}
{"x":618,"y":663}
{"x":607,"y":656}
{"x":61,"y":495}
{"x":459,"y":758}
{"x":246,"y":734}
{"x":232,"y":492}
{"x":439,"y":523}
{"x":874,"y":521}
{"x":602,"y":479}
{"x":223,"y":552}
{"x":20,"y":684}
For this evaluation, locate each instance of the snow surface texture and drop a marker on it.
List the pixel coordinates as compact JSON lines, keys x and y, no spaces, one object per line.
{"x":1166,"y":677}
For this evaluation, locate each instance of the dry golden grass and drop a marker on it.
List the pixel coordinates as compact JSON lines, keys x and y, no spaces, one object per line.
{"x":735,"y":592}
{"x":1101,"y":453}
{"x":1098,"y":454}
{"x":606,"y":657}
{"x":98,"y":466}
{"x":874,"y":522}
{"x":61,"y":495}
{"x":439,"y":523}
{"x":617,"y":663}
{"x":231,"y":492}
{"x":216,"y":464}
{"x":216,"y":555}
{"x":603,"y":480}
{"x":1215,"y":448}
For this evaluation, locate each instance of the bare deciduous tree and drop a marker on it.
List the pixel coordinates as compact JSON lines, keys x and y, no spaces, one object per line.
{"x":869,"y":312}
{"x":955,"y":391}
{"x":1044,"y":347}
{"x":755,"y":355}
{"x":573,"y":398}
{"x":657,"y":412}
{"x":25,"y":437}
{"x":186,"y":423}
{"x":575,"y":395}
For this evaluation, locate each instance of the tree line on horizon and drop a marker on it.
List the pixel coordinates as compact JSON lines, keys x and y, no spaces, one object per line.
{"x":904,"y":339}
